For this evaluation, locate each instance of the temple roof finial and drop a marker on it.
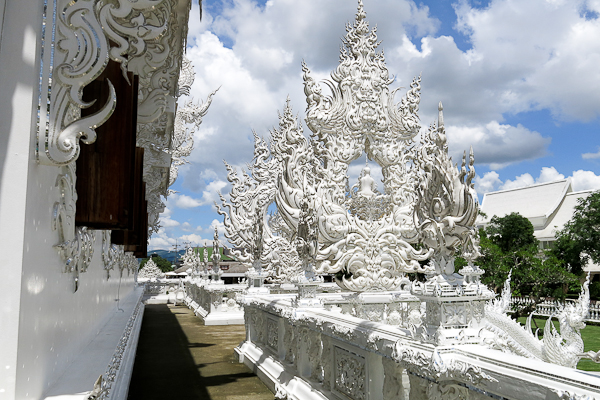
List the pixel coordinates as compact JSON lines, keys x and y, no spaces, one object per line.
{"x":360,"y":13}
{"x":440,"y":115}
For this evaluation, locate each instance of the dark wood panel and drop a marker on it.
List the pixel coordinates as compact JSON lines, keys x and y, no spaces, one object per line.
{"x":106,"y":169}
{"x":136,"y":239}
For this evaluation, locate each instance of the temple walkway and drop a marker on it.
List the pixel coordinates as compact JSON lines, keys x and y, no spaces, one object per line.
{"x":180,"y":358}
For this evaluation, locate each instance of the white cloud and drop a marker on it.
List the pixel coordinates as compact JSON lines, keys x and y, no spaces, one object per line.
{"x":585,"y":180}
{"x":517,"y":63}
{"x":488,"y":183}
{"x":218,"y":224}
{"x":209,"y":196}
{"x":549,"y":174}
{"x":167,"y":222}
{"x":161,"y":240}
{"x":193,"y":239}
{"x":497,"y":144}
{"x":540,"y":50}
{"x":589,"y":156}
{"x":520,"y":181}
{"x":185,"y":201}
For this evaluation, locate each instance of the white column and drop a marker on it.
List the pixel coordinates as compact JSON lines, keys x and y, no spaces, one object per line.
{"x":19,"y":73}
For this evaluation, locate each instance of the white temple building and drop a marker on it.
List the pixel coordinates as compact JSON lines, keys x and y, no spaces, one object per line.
{"x":91,"y":137}
{"x":548,"y":206}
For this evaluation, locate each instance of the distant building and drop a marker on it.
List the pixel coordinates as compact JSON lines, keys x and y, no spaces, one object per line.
{"x":548,"y":206}
{"x":233,"y":270}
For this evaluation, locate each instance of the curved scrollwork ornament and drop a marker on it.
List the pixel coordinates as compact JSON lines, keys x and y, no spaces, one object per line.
{"x":447,"y":204}
{"x":245,"y":216}
{"x":76,"y":50}
{"x":75,"y":244}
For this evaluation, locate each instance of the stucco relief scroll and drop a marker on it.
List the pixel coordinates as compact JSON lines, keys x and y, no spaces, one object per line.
{"x":75,"y":51}
{"x":75,"y":244}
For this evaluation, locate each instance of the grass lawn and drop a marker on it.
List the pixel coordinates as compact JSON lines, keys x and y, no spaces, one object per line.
{"x":590,"y":336}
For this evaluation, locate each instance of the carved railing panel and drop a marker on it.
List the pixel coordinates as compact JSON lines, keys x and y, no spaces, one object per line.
{"x":349,"y":373}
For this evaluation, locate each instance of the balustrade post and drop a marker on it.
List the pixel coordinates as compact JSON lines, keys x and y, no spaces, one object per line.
{"x":393,"y":385}
{"x":314,"y":356}
{"x":418,"y":387}
{"x":326,"y":361}
{"x":375,"y":374}
{"x":303,"y":365}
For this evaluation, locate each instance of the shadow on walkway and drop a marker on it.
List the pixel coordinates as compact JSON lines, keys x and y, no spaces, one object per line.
{"x":180,"y":358}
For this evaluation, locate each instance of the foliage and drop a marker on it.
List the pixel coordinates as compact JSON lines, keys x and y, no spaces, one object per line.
{"x":511,"y":232}
{"x":595,"y":290}
{"x":163,"y":264}
{"x":579,"y":240}
{"x":508,"y":244}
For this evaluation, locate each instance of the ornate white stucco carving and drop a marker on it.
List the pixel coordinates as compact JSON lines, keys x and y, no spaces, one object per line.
{"x":110,"y":375}
{"x":112,"y":255}
{"x":147,"y":38}
{"x":245,"y":216}
{"x":349,"y":373}
{"x":205,"y":261}
{"x":370,"y":238}
{"x":76,"y":50}
{"x":447,"y":203}
{"x":433,"y":366}
{"x":150,"y":271}
{"x":165,"y":153}
{"x":75,"y":244}
{"x":562,"y":348}
{"x":216,"y":271}
{"x":365,"y":236}
{"x":182,"y":143}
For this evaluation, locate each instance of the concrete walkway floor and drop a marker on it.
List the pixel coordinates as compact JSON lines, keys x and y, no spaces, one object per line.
{"x":180,"y":358}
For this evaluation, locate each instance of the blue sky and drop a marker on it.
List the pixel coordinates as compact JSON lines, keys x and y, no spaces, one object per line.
{"x":519,"y":80}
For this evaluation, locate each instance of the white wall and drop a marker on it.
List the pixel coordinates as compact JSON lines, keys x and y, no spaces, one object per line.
{"x":54,"y":322}
{"x":19,"y":70}
{"x":43,"y":324}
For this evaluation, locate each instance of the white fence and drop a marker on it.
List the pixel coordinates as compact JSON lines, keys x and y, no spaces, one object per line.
{"x":549,"y":307}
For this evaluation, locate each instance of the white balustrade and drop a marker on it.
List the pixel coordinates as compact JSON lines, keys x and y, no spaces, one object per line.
{"x":320,"y":353}
{"x":549,"y":307}
{"x":215,"y":304}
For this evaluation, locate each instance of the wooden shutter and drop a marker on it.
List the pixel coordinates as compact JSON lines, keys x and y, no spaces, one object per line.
{"x":105,"y":169}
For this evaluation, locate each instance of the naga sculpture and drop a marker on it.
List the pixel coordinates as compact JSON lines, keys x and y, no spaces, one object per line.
{"x":563,"y":348}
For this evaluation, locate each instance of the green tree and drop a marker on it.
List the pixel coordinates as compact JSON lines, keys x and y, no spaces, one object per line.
{"x":511,"y":232}
{"x":579,"y":240}
{"x":163,"y":264}
{"x":508,"y":244}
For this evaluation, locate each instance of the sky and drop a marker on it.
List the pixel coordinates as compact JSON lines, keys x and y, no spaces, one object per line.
{"x":519,"y":81}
